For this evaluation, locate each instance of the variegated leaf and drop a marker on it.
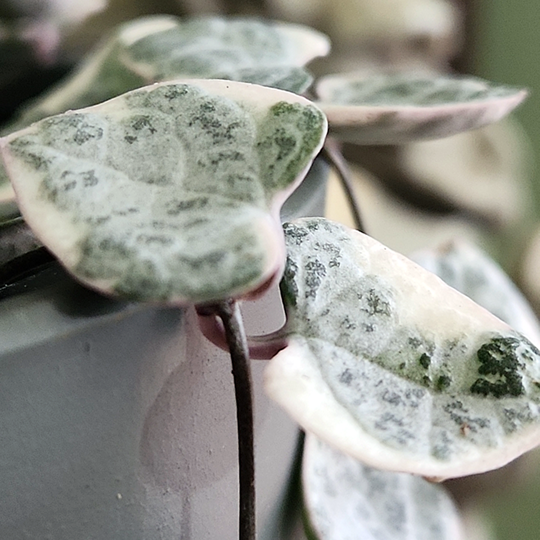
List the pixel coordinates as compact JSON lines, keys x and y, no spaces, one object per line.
{"x":170,"y":192}
{"x":399,"y":108}
{"x":394,"y":367}
{"x":160,"y":48}
{"x":241,"y":49}
{"x":346,"y":500}
{"x":468,"y":269}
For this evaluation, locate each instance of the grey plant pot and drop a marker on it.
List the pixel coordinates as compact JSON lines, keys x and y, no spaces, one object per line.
{"x":118,"y":421}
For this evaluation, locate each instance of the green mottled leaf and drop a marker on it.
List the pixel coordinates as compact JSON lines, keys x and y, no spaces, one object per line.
{"x":468,"y":269}
{"x":160,"y":48}
{"x":170,"y":192}
{"x":399,"y":108}
{"x":394,"y":367}
{"x":163,"y":47}
{"x":346,"y":500}
{"x":250,"y":50}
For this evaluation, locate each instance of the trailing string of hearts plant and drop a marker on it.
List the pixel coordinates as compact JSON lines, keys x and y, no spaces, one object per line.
{"x":170,"y":192}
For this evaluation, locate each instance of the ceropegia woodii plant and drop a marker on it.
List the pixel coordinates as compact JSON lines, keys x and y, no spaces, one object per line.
{"x":392,"y":366}
{"x":171,"y":193}
{"x":394,"y":108}
{"x":193,"y":220}
{"x":162,"y":47}
{"x":159,"y":48}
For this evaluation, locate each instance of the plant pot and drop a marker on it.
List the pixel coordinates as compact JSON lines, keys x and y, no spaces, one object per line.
{"x":118,"y":421}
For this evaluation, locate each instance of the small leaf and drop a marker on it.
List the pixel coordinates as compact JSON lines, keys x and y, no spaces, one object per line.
{"x":214,"y":47}
{"x":346,"y":500}
{"x":170,"y":192}
{"x":399,"y":108}
{"x":472,"y":272}
{"x":162,"y":47}
{"x":394,"y":367}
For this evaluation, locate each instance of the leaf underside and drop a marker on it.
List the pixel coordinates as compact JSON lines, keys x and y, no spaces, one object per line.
{"x":346,"y":500}
{"x":394,"y":367}
{"x":399,"y":108}
{"x":169,"y":192}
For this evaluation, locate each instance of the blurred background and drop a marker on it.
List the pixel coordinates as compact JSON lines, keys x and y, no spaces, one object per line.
{"x":483,"y":186}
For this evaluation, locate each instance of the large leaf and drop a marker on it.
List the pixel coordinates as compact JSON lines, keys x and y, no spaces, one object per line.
{"x":398,"y":108}
{"x":160,"y":48}
{"x":346,"y":500}
{"x":468,"y":269}
{"x":394,"y":367}
{"x":170,"y":192}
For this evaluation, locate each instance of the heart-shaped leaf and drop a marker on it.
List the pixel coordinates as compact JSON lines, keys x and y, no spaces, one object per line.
{"x":394,"y":367}
{"x":170,"y":192}
{"x":468,"y":269}
{"x":398,"y":108}
{"x":161,"y":48}
{"x":236,"y":48}
{"x":346,"y":500}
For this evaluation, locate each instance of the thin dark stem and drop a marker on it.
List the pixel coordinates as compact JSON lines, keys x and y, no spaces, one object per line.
{"x":385,"y":163}
{"x":229,"y":313}
{"x":332,"y":154}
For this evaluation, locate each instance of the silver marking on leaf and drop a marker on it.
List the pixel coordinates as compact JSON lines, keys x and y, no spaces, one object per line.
{"x":170,"y":192}
{"x":389,"y":363}
{"x":400,"y":108}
